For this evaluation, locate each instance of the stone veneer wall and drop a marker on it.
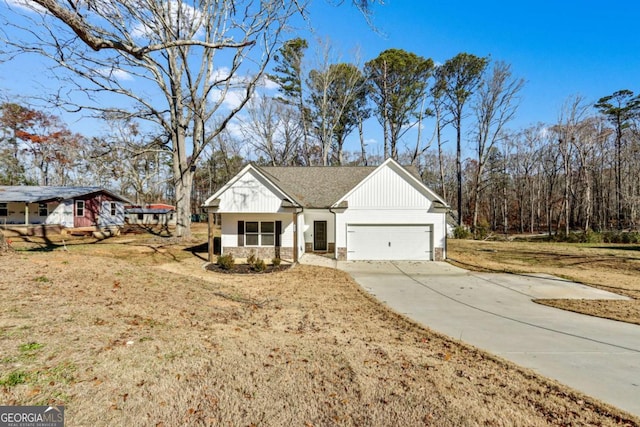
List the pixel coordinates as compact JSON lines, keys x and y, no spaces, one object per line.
{"x":342,"y":254}
{"x":266,"y":253}
{"x":438,"y":254}
{"x":308,"y":247}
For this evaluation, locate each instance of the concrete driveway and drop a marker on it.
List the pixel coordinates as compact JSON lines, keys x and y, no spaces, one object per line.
{"x":494,"y":312}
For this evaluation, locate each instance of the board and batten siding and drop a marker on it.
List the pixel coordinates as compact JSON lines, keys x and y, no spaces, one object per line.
{"x":387,"y":198}
{"x":387,"y":189}
{"x":250,"y":193}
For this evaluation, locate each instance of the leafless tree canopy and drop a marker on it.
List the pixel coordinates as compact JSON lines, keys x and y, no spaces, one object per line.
{"x":186,"y":66}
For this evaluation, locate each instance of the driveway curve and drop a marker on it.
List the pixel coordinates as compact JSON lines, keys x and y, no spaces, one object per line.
{"x":495,"y":312}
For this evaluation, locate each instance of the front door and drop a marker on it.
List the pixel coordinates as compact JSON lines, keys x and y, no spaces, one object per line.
{"x":320,"y":236}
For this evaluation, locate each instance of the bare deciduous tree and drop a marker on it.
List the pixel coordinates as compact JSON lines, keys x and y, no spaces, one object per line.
{"x":162,"y":63}
{"x":495,"y":105}
{"x":273,"y":130}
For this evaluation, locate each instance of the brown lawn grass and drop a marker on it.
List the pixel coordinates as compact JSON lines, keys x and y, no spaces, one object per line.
{"x":612,"y":267}
{"x":134,"y":332}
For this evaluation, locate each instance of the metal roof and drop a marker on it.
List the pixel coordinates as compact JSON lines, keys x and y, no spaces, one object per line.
{"x":35,"y":194}
{"x":148,"y":210}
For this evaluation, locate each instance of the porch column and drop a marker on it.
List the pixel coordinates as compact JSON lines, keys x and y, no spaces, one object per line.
{"x":26,"y":213}
{"x":295,"y":237}
{"x":211,"y":239}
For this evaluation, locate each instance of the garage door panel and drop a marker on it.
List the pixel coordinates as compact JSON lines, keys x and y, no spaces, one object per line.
{"x":389,"y":242}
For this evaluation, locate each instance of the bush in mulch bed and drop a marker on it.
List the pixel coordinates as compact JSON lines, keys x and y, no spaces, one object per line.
{"x":246,"y":269}
{"x":254,"y":265}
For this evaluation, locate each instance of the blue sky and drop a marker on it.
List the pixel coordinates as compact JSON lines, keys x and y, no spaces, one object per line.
{"x":560,"y":48}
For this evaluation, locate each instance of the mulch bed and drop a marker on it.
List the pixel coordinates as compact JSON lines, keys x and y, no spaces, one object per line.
{"x":246,"y":269}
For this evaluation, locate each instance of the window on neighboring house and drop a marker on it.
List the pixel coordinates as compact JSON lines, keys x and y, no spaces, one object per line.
{"x":43,"y":210}
{"x":114,"y":209}
{"x":79,"y":207}
{"x":259,"y":233}
{"x":4,"y":210}
{"x":156,"y":217}
{"x":140,"y":216}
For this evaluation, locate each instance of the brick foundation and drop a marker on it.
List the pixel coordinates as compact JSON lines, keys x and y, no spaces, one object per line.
{"x":266,"y":253}
{"x":438,"y":254}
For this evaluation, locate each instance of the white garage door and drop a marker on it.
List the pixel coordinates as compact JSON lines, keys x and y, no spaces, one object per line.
{"x":388,"y":242}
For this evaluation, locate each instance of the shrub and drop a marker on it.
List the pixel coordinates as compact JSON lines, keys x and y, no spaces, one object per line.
{"x":258,"y":265}
{"x":481,"y":232}
{"x":276,"y":262}
{"x":226,"y":261}
{"x":593,"y":237}
{"x":251,"y":260}
{"x":461,"y":232}
{"x":611,"y":237}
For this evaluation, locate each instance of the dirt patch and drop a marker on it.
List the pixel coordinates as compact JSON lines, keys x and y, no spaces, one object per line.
{"x":123,"y":337}
{"x":614,"y":268}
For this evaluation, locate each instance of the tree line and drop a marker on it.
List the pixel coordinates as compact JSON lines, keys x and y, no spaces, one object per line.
{"x":578,"y":174}
{"x":163,"y":74}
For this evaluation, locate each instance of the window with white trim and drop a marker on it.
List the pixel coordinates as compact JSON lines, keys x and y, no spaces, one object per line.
{"x":43,"y":209}
{"x":79,"y":207}
{"x":259,"y":233}
{"x":4,"y":209}
{"x":114,"y":209}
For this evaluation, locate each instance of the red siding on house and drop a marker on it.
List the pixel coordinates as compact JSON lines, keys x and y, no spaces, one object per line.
{"x":92,"y":204}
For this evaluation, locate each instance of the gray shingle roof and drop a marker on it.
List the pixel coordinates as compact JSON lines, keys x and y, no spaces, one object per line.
{"x":317,"y":186}
{"x":34,"y":194}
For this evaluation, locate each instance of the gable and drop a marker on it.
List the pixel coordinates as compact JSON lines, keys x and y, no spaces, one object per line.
{"x":389,"y":187}
{"x":250,"y":192}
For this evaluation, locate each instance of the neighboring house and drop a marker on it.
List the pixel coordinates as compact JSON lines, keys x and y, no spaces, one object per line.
{"x":151,"y":215}
{"x":352,"y":213}
{"x":68,"y":207}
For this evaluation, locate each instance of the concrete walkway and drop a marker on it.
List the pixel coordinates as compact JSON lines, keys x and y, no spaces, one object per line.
{"x":494,"y":312}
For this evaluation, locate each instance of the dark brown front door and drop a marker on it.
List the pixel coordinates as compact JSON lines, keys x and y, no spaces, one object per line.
{"x":320,"y":236}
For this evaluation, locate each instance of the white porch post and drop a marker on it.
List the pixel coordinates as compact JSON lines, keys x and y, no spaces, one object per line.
{"x":26,"y":213}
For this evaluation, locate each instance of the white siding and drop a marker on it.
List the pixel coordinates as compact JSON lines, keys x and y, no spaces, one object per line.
{"x":105,"y":218}
{"x":230,"y":227}
{"x":385,"y":188}
{"x":311,"y":215}
{"x":387,"y":198}
{"x":62,"y":214}
{"x":249,"y":194}
{"x":17,"y":213}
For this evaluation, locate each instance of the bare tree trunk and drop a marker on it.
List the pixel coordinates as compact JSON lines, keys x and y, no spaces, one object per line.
{"x":4,"y":245}
{"x":363,"y":146}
